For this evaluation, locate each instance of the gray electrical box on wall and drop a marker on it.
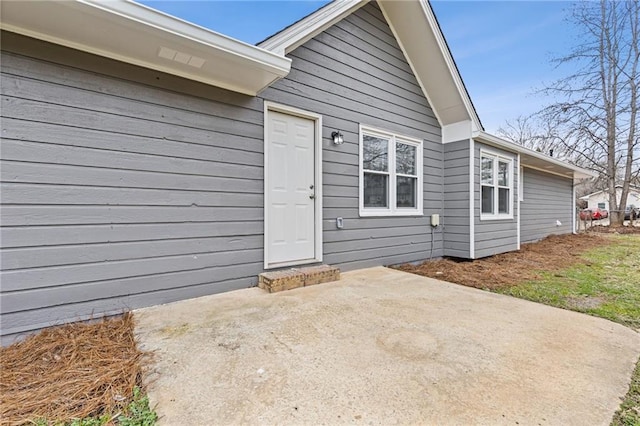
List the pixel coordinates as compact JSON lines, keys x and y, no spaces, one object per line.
{"x":339,"y":223}
{"x":435,"y":220}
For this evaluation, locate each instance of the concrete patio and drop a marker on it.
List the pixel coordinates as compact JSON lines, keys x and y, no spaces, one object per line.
{"x":383,"y":347}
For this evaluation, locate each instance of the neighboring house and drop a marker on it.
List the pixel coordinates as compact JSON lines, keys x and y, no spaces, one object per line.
{"x":147,"y":160}
{"x":600,"y":199}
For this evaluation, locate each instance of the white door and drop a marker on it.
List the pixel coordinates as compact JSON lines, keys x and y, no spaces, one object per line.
{"x":290,"y":172}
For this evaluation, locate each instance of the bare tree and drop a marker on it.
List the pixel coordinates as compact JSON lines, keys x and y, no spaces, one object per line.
{"x":538,"y":135}
{"x":596,"y":118}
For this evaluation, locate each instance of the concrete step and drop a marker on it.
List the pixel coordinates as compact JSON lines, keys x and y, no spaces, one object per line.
{"x":297,"y":277}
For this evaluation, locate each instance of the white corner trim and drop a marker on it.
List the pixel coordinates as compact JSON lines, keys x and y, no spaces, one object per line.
{"x":520,"y":181}
{"x":317,"y":118}
{"x":297,"y":34}
{"x":520,"y":198}
{"x":451,"y":65}
{"x":472,"y":195}
{"x":454,"y":132}
{"x":573,"y":209}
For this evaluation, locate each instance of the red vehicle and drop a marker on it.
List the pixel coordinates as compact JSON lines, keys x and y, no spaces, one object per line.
{"x":597,"y":214}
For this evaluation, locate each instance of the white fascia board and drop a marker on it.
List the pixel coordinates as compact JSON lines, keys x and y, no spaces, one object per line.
{"x":453,"y":69}
{"x":411,"y":42}
{"x":578,"y":172}
{"x":416,"y":29}
{"x":411,"y":65}
{"x":297,"y":34}
{"x":94,"y":27}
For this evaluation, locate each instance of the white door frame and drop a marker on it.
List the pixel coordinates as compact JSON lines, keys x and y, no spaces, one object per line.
{"x":317,"y":118}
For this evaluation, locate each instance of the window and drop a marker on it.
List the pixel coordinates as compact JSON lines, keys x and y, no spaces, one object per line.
{"x":496,"y":182}
{"x":390,"y":174}
{"x":602,"y":206}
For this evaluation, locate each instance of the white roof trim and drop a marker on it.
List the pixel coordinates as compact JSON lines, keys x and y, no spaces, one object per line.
{"x":526,"y":153}
{"x":413,"y":38}
{"x":304,"y":30}
{"x":453,"y":69}
{"x":137,"y":34}
{"x":413,"y":68}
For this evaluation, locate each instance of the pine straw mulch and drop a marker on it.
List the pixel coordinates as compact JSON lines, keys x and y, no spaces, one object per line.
{"x":72,"y":371}
{"x":615,"y":229}
{"x":553,"y":253}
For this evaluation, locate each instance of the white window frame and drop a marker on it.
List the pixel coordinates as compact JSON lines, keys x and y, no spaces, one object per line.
{"x":393,"y":138}
{"x":497,"y":158}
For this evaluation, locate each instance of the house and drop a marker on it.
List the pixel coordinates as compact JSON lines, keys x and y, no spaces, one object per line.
{"x":600,"y":199}
{"x":147,"y":160}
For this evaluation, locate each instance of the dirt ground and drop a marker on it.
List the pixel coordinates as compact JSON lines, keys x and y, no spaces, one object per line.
{"x":72,"y":371}
{"x":552,"y":254}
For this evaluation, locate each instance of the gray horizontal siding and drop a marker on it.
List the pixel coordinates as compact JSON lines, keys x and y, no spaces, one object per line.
{"x":117,"y":194}
{"x":456,"y":222}
{"x":124,"y":187}
{"x":355,"y":73}
{"x":495,"y":236}
{"x":547,"y":199}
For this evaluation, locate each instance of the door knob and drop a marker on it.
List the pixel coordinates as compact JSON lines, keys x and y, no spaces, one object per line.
{"x":312,"y":196}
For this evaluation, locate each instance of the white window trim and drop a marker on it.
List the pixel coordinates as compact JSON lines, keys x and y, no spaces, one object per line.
{"x":392,"y":210}
{"x":497,"y":157}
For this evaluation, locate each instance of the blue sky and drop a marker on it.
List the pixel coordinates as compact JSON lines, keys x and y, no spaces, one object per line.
{"x":502,"y":48}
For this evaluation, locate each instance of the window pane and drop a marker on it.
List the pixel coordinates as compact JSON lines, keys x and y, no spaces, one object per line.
{"x":405,"y":159}
{"x":486,"y":170}
{"x":487,"y":199}
{"x":406,"y":191}
{"x":376,"y":191}
{"x":376,"y":153}
{"x":503,"y":200}
{"x":503,"y":173}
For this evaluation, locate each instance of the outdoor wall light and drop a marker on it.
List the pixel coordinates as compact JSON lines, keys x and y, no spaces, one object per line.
{"x":338,"y":139}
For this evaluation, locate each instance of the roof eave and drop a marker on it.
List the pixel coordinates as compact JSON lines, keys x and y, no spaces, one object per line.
{"x":311,"y":25}
{"x":534,"y":159}
{"x":421,"y":41}
{"x":130,"y":32}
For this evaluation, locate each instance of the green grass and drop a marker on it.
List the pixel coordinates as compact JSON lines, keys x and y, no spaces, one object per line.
{"x":137,"y":413}
{"x":629,"y":412}
{"x":607,"y":286}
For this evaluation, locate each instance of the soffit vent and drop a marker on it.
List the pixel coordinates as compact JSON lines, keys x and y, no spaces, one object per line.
{"x":181,"y":57}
